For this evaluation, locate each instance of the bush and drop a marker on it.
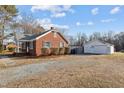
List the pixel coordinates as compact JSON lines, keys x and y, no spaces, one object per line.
{"x":45,"y":51}
{"x":67,"y":50}
{"x":11,"y":49}
{"x":55,"y":51}
{"x":0,"y":47}
{"x":62,"y":51}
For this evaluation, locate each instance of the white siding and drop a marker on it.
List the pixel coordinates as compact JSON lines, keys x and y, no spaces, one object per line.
{"x":112,"y":49}
{"x":98,"y":48}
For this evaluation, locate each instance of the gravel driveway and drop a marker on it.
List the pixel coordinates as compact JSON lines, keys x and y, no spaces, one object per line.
{"x":20,"y":72}
{"x":17,"y":73}
{"x":65,"y":71}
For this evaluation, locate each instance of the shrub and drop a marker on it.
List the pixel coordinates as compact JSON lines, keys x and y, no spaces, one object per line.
{"x":11,"y":49}
{"x":0,"y":47}
{"x":45,"y":51}
{"x":62,"y":51}
{"x":67,"y":50}
{"x":54,"y":51}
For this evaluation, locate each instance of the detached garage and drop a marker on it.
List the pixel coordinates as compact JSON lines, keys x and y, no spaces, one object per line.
{"x":98,"y":47}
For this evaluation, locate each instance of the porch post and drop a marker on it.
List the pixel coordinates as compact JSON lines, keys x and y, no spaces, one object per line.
{"x":18,"y":47}
{"x":27,"y":47}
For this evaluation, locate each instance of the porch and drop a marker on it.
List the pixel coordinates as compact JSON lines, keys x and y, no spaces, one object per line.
{"x":26,"y":47}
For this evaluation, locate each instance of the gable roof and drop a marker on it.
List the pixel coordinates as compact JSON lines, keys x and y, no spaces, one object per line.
{"x":29,"y":37}
{"x":104,"y":43}
{"x":63,"y":37}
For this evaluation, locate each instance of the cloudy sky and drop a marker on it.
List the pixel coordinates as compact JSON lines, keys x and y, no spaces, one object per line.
{"x":86,"y":19}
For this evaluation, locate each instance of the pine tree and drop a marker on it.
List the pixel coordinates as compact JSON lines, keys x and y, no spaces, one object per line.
{"x":7,"y":12}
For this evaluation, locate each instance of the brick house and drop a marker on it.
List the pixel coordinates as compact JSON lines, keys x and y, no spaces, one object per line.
{"x":32,"y":44}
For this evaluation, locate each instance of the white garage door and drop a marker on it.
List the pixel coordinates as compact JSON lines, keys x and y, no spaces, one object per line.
{"x":100,"y":49}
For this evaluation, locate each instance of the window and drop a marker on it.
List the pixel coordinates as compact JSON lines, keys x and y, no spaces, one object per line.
{"x":46,"y":45}
{"x":31,"y":45}
{"x":24,"y":45}
{"x":61,"y":45}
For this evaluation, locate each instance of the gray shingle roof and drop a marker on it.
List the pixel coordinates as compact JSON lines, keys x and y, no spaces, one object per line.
{"x":28,"y":37}
{"x":105,"y":43}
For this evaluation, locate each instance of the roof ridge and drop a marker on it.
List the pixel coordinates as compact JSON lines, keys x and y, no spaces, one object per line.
{"x":99,"y":41}
{"x":33,"y":36}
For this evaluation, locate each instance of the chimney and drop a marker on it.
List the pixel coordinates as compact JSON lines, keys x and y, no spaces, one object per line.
{"x":52,"y":28}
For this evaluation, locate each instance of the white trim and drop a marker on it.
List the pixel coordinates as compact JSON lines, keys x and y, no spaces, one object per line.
{"x":26,"y":40}
{"x":36,"y":37}
{"x":43,"y":35}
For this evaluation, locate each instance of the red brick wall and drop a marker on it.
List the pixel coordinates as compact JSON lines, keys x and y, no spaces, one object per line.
{"x":55,"y":41}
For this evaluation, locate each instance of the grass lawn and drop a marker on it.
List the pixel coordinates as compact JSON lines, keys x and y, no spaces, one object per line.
{"x":76,"y":71}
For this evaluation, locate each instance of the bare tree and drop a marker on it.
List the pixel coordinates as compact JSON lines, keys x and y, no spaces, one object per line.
{"x":29,"y":25}
{"x":72,"y":40}
{"x":95,"y":36}
{"x":116,"y":39}
{"x":119,"y":41}
{"x":81,"y":38}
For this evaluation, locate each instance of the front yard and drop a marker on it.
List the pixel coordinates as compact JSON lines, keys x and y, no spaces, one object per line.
{"x":64,"y":71}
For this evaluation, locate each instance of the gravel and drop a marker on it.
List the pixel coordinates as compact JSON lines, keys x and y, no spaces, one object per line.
{"x":17,"y":73}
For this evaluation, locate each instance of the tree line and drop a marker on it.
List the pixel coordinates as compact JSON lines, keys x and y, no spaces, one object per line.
{"x":117,"y":39}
